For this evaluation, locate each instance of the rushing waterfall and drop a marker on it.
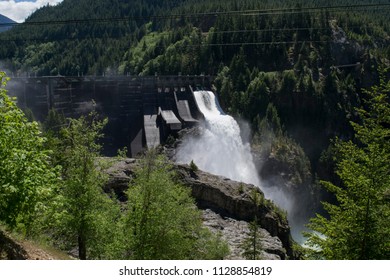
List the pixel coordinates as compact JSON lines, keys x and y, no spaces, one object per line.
{"x":219,"y":149}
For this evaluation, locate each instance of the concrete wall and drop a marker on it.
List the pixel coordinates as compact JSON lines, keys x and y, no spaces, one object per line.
{"x":124,"y":100}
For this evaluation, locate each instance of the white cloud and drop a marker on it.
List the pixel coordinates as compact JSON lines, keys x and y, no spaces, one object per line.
{"x":19,"y":10}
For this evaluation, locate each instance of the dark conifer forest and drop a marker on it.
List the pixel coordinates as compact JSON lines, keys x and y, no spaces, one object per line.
{"x":310,"y":78}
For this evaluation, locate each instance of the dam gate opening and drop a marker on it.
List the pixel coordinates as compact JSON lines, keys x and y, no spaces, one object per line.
{"x":142,"y":111}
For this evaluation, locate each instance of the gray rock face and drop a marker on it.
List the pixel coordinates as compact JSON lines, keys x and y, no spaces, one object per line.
{"x":227,"y":207}
{"x":120,"y":173}
{"x":232,"y":199}
{"x":235,"y":231}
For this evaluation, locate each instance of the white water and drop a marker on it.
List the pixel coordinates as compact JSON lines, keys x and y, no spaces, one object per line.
{"x":219,"y":149}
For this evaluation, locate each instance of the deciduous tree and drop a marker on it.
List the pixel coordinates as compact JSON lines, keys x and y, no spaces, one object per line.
{"x":26,"y":176}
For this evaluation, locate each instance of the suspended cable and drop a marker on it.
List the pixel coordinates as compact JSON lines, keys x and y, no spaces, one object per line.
{"x":269,"y":30}
{"x":260,"y":43}
{"x":258,"y":12}
{"x":242,"y":31}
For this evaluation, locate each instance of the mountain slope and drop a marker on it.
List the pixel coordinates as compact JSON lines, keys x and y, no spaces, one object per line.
{"x":310,"y":59}
{"x":4,"y":23}
{"x":295,"y":70}
{"x":93,"y":37}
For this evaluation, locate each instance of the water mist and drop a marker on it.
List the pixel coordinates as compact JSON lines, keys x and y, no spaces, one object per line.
{"x":219,"y":148}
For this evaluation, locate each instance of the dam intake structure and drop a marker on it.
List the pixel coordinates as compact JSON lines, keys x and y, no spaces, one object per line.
{"x":142,"y":111}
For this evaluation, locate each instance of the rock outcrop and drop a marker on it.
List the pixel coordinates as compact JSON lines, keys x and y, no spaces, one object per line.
{"x":227,"y":207}
{"x":235,"y":231}
{"x":232,"y":199}
{"x":120,"y":173}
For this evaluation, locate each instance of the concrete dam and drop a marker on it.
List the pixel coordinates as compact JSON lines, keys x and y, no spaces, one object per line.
{"x":141,"y":111}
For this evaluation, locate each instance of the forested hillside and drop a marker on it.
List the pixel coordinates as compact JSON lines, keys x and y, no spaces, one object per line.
{"x":92,"y":37}
{"x":295,"y":70}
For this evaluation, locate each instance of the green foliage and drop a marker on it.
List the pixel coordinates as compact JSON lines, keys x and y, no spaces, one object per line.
{"x":209,"y":246}
{"x":139,"y":54}
{"x":252,"y":243}
{"x":358,"y":225}
{"x":38,"y":58}
{"x":241,"y":189}
{"x":273,"y":143}
{"x":270,"y":127}
{"x":161,"y":221}
{"x":177,"y":56}
{"x":27,"y":178}
{"x":122,"y":153}
{"x":256,"y":97}
{"x":312,"y":101}
{"x":193,"y":166}
{"x":169,"y":45}
{"x":83,"y":215}
{"x":54,"y":122}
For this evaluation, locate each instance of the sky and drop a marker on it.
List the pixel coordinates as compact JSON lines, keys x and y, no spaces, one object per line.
{"x":19,"y":10}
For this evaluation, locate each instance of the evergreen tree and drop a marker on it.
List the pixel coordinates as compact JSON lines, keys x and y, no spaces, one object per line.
{"x":252,"y":243}
{"x":358,"y":226}
{"x":162,"y":221}
{"x":85,"y":216}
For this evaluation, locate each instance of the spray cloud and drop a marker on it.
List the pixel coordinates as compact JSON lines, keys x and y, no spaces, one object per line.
{"x":219,"y":148}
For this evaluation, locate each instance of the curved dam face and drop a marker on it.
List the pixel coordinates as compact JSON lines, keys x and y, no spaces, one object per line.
{"x":142,"y":111}
{"x":219,"y":148}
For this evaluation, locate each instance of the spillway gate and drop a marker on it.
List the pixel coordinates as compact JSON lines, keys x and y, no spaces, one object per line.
{"x":141,"y":111}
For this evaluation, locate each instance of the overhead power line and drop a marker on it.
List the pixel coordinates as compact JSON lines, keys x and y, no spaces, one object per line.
{"x":284,"y":31}
{"x":260,"y":43}
{"x":258,"y":12}
{"x":270,"y":30}
{"x":279,"y":31}
{"x":242,"y":31}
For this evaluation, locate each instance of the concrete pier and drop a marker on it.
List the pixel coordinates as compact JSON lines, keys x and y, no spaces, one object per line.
{"x":142,"y":111}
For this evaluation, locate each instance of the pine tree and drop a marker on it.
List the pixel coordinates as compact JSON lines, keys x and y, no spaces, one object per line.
{"x":358,"y":226}
{"x":252,"y":243}
{"x":162,"y":221}
{"x":85,"y":216}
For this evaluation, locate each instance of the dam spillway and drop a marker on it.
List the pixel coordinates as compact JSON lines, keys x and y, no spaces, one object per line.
{"x":142,"y":111}
{"x":219,"y":148}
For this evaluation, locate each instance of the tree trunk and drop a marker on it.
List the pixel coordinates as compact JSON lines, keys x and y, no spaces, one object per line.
{"x":82,"y":247}
{"x":364,"y":254}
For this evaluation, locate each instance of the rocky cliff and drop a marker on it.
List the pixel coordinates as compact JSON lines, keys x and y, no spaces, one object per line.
{"x":227,"y":207}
